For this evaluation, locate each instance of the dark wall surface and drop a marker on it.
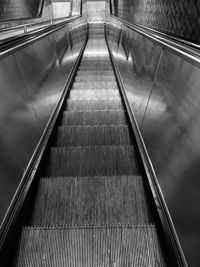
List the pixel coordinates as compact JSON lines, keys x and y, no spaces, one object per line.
{"x":180,"y":18}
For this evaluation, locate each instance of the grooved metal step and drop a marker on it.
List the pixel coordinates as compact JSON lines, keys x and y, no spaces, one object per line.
{"x":96,"y":30}
{"x":94,"y":94}
{"x":93,"y":136}
{"x":94,"y":247}
{"x":103,"y":59}
{"x":91,"y":200}
{"x":92,"y":161}
{"x":95,"y":117}
{"x":96,"y":36}
{"x":95,"y":85}
{"x":97,"y":68}
{"x":94,"y":78}
{"x":93,"y":104}
{"x":94,"y":63}
{"x":95,"y":72}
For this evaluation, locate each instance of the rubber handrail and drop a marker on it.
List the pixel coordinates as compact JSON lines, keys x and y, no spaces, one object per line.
{"x":18,"y":42}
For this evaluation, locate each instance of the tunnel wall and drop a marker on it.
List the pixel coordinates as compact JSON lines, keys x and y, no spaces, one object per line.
{"x":180,"y":18}
{"x":163,"y":91}
{"x":32,"y":80}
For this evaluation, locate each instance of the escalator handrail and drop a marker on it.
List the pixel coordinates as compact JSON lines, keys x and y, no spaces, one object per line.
{"x":17,"y":42}
{"x":32,"y":168}
{"x":22,"y":26}
{"x":188,"y":50}
{"x":161,"y":206}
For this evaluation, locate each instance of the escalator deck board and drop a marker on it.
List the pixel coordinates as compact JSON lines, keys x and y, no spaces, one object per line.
{"x":92,"y":161}
{"x":94,"y":247}
{"x":91,"y":201}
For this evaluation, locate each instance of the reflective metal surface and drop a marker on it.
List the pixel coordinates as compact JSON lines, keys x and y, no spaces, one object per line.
{"x":178,"y":18}
{"x":32,"y":80}
{"x":20,"y":9}
{"x":27,"y":27}
{"x":163,"y":90}
{"x":61,"y":8}
{"x":47,"y":14}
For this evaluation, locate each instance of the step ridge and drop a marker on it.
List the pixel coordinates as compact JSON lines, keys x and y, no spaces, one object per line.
{"x":91,"y":126}
{"x":87,"y":226}
{"x":88,"y":177}
{"x":93,"y":147}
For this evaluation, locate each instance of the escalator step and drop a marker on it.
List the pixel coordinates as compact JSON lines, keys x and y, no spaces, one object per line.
{"x":103,"y":59}
{"x":93,"y":136}
{"x":99,"y":30}
{"x":95,"y":117}
{"x":94,"y":104}
{"x":91,"y":161}
{"x":91,"y":201}
{"x":97,"y":68}
{"x":95,"y":85}
{"x":96,"y":72}
{"x":94,"y":78}
{"x":95,"y":247}
{"x":92,"y":94}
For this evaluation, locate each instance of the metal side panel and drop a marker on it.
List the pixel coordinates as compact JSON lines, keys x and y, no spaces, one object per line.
{"x":30,"y":89}
{"x":169,"y":122}
{"x":34,"y":62}
{"x":171,"y":130}
{"x":19,"y":130}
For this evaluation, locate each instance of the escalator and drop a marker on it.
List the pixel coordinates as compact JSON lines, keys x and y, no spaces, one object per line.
{"x":92,"y":206}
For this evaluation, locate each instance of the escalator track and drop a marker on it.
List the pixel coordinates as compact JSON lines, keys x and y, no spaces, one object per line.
{"x":91,"y":207}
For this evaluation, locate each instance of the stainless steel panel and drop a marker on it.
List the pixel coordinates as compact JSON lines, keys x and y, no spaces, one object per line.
{"x":137,"y":59}
{"x":19,"y":130}
{"x":32,"y":80}
{"x":60,"y":42}
{"x":179,"y":18}
{"x":171,"y":128}
{"x":19,"y":9}
{"x":163,"y":90}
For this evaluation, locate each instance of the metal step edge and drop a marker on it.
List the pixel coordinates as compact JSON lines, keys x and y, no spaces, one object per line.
{"x":86,"y":226}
